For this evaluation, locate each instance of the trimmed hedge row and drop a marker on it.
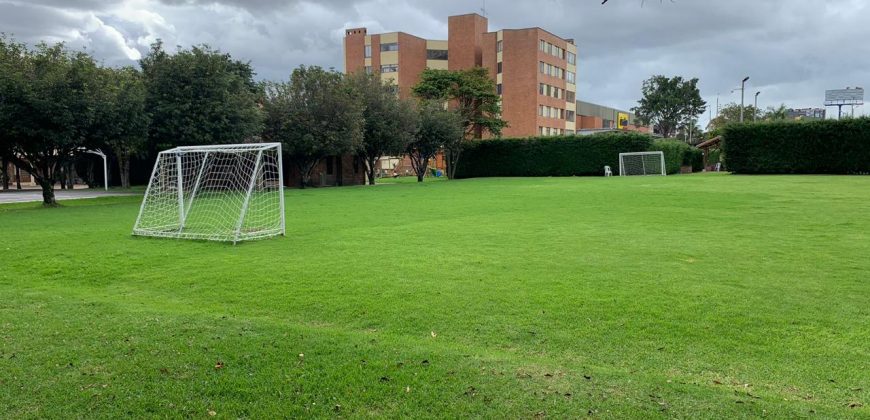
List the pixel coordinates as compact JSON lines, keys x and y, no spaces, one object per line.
{"x":548,"y":156}
{"x":812,"y":147}
{"x":679,"y":154}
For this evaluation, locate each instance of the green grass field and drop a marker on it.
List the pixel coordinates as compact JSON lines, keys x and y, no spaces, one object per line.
{"x":686,"y":296}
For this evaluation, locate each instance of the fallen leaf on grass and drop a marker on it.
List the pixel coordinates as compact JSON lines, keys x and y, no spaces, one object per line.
{"x":434,"y":335}
{"x":212,"y":413}
{"x":855,"y":405}
{"x":219,"y":365}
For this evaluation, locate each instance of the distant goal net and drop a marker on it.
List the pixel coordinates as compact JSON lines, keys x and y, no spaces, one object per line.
{"x":642,"y":163}
{"x":229,"y":193}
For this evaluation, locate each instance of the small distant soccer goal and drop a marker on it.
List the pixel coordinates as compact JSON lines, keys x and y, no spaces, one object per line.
{"x":228,"y":192}
{"x":642,"y":163}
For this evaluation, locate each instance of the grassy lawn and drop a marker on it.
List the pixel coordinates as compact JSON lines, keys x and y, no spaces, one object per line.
{"x":686,"y":296}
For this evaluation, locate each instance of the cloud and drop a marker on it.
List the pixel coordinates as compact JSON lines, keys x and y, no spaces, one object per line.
{"x":792,"y":49}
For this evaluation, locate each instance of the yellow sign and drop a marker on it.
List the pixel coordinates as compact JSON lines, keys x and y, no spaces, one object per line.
{"x":621,"y":120}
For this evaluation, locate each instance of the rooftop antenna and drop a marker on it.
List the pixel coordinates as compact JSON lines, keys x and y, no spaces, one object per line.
{"x":483,"y":9}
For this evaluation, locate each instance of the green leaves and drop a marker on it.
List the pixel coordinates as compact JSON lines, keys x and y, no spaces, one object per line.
{"x":199,"y":96}
{"x":549,"y":156}
{"x":669,"y":102}
{"x":799,"y":147}
{"x":314,"y":115}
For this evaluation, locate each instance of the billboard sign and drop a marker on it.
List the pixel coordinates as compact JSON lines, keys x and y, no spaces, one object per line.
{"x":621,"y":120}
{"x":846,"y":96}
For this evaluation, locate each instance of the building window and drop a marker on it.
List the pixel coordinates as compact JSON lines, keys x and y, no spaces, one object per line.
{"x":541,"y":88}
{"x":498,"y":46}
{"x":330,"y":165}
{"x":498,"y":88}
{"x":569,"y":96}
{"x":570,"y":77}
{"x":542,"y":45}
{"x":540,"y":130}
{"x":436,"y":54}
{"x":540,"y":110}
{"x":368,"y":51}
{"x":368,"y":69}
{"x":392,"y":46}
{"x":569,"y":132}
{"x":389,"y":68}
{"x":572,"y":58}
{"x":570,"y":116}
{"x":498,"y":68}
{"x":541,"y":66}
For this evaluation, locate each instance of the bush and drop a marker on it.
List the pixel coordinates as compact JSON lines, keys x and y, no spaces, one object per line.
{"x":694,"y":157}
{"x":811,"y":147}
{"x":676,"y":153}
{"x":548,"y":156}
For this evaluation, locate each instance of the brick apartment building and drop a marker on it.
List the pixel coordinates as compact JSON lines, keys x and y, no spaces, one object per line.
{"x":534,"y":70}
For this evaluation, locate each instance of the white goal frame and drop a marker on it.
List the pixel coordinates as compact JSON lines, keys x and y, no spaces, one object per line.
{"x":624,"y":172}
{"x":224,"y":178}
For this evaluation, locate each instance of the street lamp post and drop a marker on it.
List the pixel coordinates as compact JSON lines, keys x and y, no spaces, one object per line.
{"x":742,"y":91}
{"x":755,"y":111}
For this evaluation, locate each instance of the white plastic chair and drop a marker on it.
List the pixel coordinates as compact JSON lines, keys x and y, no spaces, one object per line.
{"x":607,"y":171}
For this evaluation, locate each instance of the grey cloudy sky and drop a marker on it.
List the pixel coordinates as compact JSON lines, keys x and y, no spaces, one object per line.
{"x":792,"y":49}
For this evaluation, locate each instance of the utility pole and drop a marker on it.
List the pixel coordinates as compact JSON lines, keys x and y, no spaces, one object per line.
{"x":755,"y":111}
{"x":742,"y":91}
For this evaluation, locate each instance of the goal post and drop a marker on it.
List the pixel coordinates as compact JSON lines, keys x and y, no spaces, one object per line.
{"x":231,"y":192}
{"x":642,"y":163}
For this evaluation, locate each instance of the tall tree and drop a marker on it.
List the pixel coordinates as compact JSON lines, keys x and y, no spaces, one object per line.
{"x":668,"y":102}
{"x":389,"y":123}
{"x":314,"y":115}
{"x":199,"y":96}
{"x":124,"y":128}
{"x":50,"y":101}
{"x":779,"y":113}
{"x":730,"y":113}
{"x":473,"y":95}
{"x":439,"y":128}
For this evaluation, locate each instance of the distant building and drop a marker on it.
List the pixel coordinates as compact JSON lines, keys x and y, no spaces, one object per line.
{"x":535,"y":71}
{"x":806,"y":114}
{"x":594,"y":117}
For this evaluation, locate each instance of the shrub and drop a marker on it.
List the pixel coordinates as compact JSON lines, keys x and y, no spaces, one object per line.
{"x":548,"y":156}
{"x":676,"y":153}
{"x":694,"y":157}
{"x":811,"y":147}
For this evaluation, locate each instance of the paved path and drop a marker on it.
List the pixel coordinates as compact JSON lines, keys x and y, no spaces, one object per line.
{"x":23,"y":196}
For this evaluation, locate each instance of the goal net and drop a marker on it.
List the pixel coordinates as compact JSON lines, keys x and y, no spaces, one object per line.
{"x":642,"y":163}
{"x":231,"y":192}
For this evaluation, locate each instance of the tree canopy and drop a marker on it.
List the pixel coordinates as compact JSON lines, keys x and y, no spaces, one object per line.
{"x":199,"y":96}
{"x":472,"y":94}
{"x":439,"y":128}
{"x":389,"y":124}
{"x":50,"y":103}
{"x":314,"y":115}
{"x":669,"y":102}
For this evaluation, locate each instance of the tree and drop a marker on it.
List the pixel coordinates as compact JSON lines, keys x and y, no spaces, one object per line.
{"x":50,"y":98}
{"x":125,"y":121}
{"x":668,"y":102}
{"x":439,"y":128}
{"x":730,"y":113}
{"x":472,"y":94}
{"x":199,"y":96}
{"x":779,"y":113}
{"x":314,"y":115}
{"x":389,"y":123}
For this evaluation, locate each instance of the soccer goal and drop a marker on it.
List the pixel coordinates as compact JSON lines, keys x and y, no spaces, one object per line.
{"x":642,"y":163}
{"x":228,"y":192}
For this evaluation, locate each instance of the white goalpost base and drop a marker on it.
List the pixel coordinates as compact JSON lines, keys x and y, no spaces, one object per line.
{"x":226,"y":192}
{"x":642,"y":163}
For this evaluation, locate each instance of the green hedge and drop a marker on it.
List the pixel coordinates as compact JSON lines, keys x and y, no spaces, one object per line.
{"x":811,"y":147}
{"x":677,"y":153}
{"x":548,"y":156}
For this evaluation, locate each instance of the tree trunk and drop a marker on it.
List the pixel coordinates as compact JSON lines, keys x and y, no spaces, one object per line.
{"x":419,"y":177}
{"x":47,"y":192}
{"x":452,"y":162}
{"x":4,"y":164}
{"x":370,"y":168}
{"x":17,"y":177}
{"x":124,"y":168}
